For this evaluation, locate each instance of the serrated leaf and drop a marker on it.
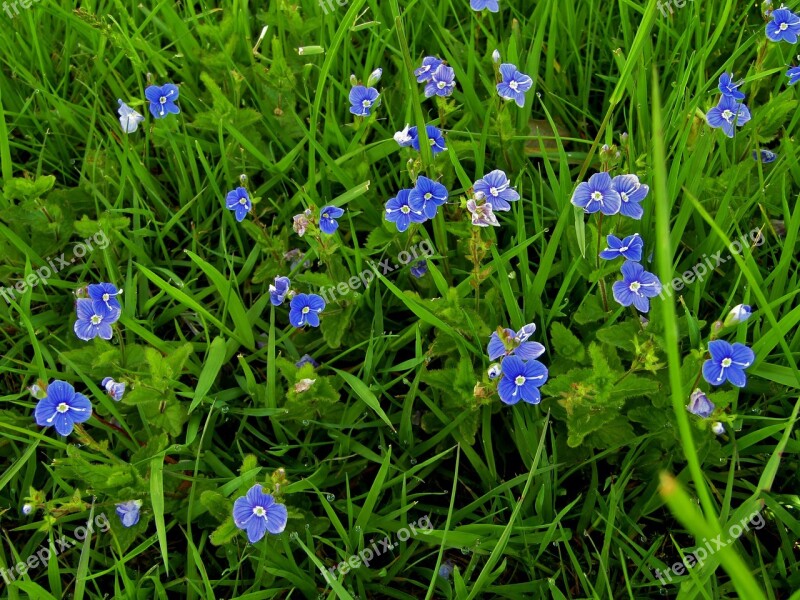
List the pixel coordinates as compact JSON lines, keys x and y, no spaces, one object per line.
{"x":224,"y":533}
{"x":566,"y":344}
{"x":589,"y":311}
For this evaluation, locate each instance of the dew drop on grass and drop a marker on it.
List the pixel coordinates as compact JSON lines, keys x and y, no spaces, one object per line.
{"x":293,"y":535}
{"x":642,"y":539}
{"x":330,"y":497}
{"x":413,"y":461}
{"x":307,"y":526}
{"x":305,"y":422}
{"x":357,"y":528}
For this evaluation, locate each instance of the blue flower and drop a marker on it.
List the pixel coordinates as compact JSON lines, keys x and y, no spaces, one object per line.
{"x":239,"y":202}
{"x":637,"y":286}
{"x":597,"y":194}
{"x":504,"y":342}
{"x":94,"y":320}
{"x":402,"y":211}
{"x":105,"y":294}
{"x":304,"y":310}
{"x":429,"y":65}
{"x":362,"y":99}
{"x":278,"y":290}
{"x":738,"y":314}
{"x":435,"y":139}
{"x":521,"y":381}
{"x":766,"y":156}
{"x":431,"y":194}
{"x":128,"y":512}
{"x":793,"y":74}
{"x":726,"y":114}
{"x":257,"y":513}
{"x":446,"y":569}
{"x":162,"y":100}
{"x":727,"y":362}
{"x":442,"y":83}
{"x":496,"y":189}
{"x":419,"y":269}
{"x":700,"y":405}
{"x":514,"y":83}
{"x":631,"y":194}
{"x":730,"y":88}
{"x":784,"y":27}
{"x":492,"y":5}
{"x":327,"y":219}
{"x":113,"y":388}
{"x":306,"y":359}
{"x":629,"y":248}
{"x":128,"y":118}
{"x":62,"y":408}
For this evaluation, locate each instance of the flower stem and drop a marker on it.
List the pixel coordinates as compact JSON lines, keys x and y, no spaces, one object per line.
{"x":602,"y":280}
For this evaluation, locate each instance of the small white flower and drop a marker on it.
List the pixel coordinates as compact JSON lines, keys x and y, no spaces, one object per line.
{"x":482,"y":216}
{"x":128,"y":118}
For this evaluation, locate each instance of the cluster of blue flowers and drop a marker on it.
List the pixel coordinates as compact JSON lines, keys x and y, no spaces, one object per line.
{"x":304,"y":309}
{"x":730,"y":111}
{"x":98,"y":312}
{"x":623,"y":194}
{"x":522,"y":374}
{"x":162,"y":103}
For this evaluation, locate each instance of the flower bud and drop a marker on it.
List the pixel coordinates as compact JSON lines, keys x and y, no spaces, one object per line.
{"x":243,"y":178}
{"x":496,"y":56}
{"x":718,"y":428}
{"x":494,"y":371}
{"x":374,"y":77}
{"x":353,"y":80}
{"x":738,"y":314}
{"x":700,"y":405}
{"x":27,"y":508}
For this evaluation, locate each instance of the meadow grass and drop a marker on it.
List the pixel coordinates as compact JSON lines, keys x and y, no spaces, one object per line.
{"x":406,"y":426}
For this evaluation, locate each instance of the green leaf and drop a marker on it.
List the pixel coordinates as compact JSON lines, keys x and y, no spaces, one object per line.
{"x":215,"y":358}
{"x":224,"y":533}
{"x":565,"y":343}
{"x":365,"y":394}
{"x":590,"y":310}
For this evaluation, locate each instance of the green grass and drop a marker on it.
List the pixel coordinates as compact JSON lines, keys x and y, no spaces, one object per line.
{"x":402,"y":421}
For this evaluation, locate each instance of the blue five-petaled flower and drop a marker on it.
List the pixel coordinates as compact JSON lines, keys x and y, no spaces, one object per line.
{"x":766,"y":156}
{"x":497,"y":190}
{"x":727,"y":362}
{"x":257,"y":513}
{"x":784,"y":27}
{"x":431,"y":194}
{"x":442,"y":82}
{"x":597,"y":194}
{"x":729,"y":87}
{"x":304,"y":310}
{"x":637,"y":286}
{"x":514,"y":344}
{"x":162,"y":100}
{"x":629,"y":248}
{"x":105,"y":294}
{"x":362,"y":99}
{"x":239,"y":202}
{"x":278,"y":290}
{"x":429,"y":65}
{"x":129,"y":119}
{"x":435,"y":138}
{"x":113,"y":388}
{"x":726,"y":114}
{"x":492,"y":5}
{"x":793,"y":74}
{"x":514,"y":84}
{"x":631,"y":193}
{"x":402,"y":210}
{"x":94,"y":319}
{"x":62,"y":408}
{"x":327,"y":218}
{"x":521,"y":381}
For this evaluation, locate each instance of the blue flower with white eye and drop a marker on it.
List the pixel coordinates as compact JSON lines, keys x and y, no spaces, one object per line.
{"x":521,"y":381}
{"x":504,"y":342}
{"x":114,"y":389}
{"x":597,"y":194}
{"x":257,"y":513}
{"x":162,"y":100}
{"x":784,"y":27}
{"x":514,"y":84}
{"x":128,"y":512}
{"x":631,"y":193}
{"x":766,"y":156}
{"x":429,"y":65}
{"x":105,"y":294}
{"x":442,"y":83}
{"x":419,"y":269}
{"x":129,"y":119}
{"x":727,"y":363}
{"x":327,"y":218}
{"x":637,"y":286}
{"x":362,"y":99}
{"x":62,"y":408}
{"x":730,"y":88}
{"x":726,"y":114}
{"x":435,"y":139}
{"x":793,"y":74}
{"x":431,"y":194}
{"x":304,"y":310}
{"x":630,"y":248}
{"x":94,"y":320}
{"x":278,"y":290}
{"x":700,"y":405}
{"x":492,"y":5}
{"x":496,"y":189}
{"x":402,"y":210}
{"x":239,"y":202}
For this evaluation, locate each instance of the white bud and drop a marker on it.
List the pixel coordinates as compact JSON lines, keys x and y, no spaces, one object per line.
{"x":496,"y":56}
{"x":374,"y":77}
{"x":27,"y":508}
{"x":718,"y":428}
{"x":494,"y":371}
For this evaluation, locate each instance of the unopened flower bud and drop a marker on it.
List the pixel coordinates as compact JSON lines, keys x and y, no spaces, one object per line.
{"x":496,"y":56}
{"x":737,"y":315}
{"x":718,"y":428}
{"x":374,"y":77}
{"x":495,"y":371}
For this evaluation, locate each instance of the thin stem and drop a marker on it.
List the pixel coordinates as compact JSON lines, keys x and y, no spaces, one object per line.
{"x":602,"y":280}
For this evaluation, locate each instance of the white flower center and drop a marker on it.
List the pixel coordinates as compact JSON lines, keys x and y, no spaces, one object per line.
{"x":428,"y":196}
{"x":305,"y":310}
{"x":634,"y":287}
{"x":366,"y":103}
{"x":726,"y":362}
{"x":441,"y":85}
{"x":96,"y":319}
{"x":242,"y":201}
{"x":519,"y":380}
{"x":259,"y":511}
{"x":105,"y":297}
{"x":493,"y":191}
{"x":623,"y":248}
{"x":405,"y":209}
{"x":784,"y":26}
{"x":727,"y":115}
{"x":624,"y":196}
{"x":62,"y":408}
{"x":325,"y":216}
{"x":163,"y":100}
{"x":597,"y":196}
